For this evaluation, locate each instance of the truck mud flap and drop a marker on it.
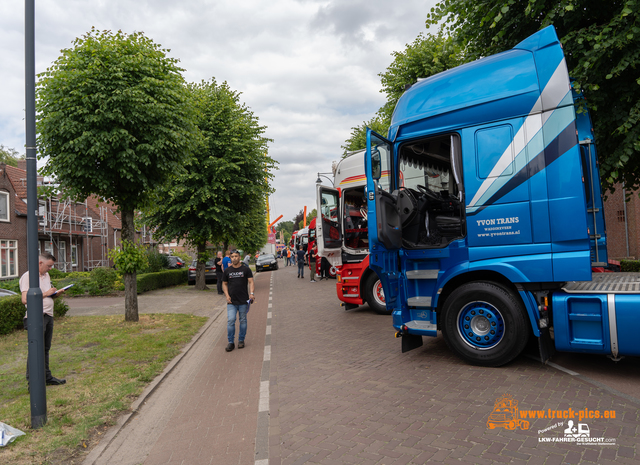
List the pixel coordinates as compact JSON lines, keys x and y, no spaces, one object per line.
{"x":410,"y":342}
{"x":546,"y":347}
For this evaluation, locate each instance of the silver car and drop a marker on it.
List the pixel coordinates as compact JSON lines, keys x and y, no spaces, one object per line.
{"x":209,"y":272}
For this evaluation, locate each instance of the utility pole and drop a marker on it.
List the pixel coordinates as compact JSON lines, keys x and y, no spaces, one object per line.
{"x":37,"y":380}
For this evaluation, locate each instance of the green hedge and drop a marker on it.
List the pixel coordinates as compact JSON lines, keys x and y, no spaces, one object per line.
{"x":151,"y":281}
{"x":630,"y":265}
{"x":12,"y":312}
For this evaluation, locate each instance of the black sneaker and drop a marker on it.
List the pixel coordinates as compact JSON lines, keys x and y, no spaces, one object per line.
{"x":55,"y":381}
{"x":230,"y":347}
{"x":240,"y":344}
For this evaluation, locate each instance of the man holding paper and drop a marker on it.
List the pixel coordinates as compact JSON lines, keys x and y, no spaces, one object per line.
{"x":45,"y":263}
{"x":235,"y":280}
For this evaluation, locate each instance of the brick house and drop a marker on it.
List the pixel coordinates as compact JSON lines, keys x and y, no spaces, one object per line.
{"x":623,"y":222}
{"x":79,"y":234}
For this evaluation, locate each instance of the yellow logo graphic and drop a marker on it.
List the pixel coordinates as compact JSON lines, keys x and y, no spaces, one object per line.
{"x":505,"y":414}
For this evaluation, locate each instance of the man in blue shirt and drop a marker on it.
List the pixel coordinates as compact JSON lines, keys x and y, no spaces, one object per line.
{"x":226,"y":261}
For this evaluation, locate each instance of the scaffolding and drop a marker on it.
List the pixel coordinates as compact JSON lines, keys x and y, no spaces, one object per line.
{"x":59,"y":219}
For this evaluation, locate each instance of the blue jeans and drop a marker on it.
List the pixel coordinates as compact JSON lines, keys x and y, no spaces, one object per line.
{"x":232,"y":310}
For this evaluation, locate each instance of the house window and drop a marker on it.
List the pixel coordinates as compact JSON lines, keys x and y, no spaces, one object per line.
{"x":8,"y":259}
{"x":48,"y":247}
{"x":4,"y":206}
{"x":621,"y":216}
{"x":62,"y":256}
{"x":74,"y":255}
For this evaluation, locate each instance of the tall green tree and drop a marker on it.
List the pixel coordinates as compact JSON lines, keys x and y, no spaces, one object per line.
{"x":220,"y":195}
{"x":601,"y":41}
{"x":287,"y":229}
{"x":10,"y":156}
{"x":114,"y":121}
{"x":425,"y":56}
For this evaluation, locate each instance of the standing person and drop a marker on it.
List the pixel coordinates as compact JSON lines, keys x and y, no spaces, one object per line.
{"x":45,"y":263}
{"x":312,"y":263}
{"x":287,"y":257}
{"x":219,"y":270}
{"x":235,"y":281}
{"x":247,"y":259}
{"x":324,"y":268}
{"x":226,"y":261}
{"x":300,"y":256}
{"x":292,"y":258}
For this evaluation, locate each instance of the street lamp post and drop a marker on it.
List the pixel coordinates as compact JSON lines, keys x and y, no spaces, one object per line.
{"x":319,"y":181}
{"x":37,"y":388}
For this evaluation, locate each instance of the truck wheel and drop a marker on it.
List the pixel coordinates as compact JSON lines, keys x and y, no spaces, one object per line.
{"x":485,"y":324}
{"x":374,"y":295}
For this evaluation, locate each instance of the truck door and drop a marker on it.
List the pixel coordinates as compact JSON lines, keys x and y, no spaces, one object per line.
{"x":385,"y":229}
{"x":328,"y":227}
{"x":595,"y":210}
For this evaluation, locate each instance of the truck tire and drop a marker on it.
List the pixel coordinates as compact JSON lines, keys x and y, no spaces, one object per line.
{"x":374,"y":295}
{"x":485,"y":324}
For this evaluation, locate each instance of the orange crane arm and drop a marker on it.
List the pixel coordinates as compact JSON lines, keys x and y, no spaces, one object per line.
{"x":274,"y":222}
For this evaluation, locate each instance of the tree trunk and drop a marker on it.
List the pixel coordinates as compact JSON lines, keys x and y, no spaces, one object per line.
{"x":201,"y":279}
{"x":130,"y":283}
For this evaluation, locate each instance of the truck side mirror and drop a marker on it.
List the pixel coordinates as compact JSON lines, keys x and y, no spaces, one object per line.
{"x":376,"y":164}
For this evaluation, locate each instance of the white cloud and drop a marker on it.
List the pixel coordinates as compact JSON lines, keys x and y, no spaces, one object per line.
{"x":307,"y":69}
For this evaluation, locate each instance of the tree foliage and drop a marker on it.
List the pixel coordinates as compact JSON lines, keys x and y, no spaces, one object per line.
{"x":287,"y":229}
{"x":220,"y":195}
{"x":425,"y":56}
{"x":114,"y":120}
{"x":601,"y":41}
{"x":9,"y":156}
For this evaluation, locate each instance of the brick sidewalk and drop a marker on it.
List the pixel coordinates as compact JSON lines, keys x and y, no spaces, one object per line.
{"x":215,"y":422}
{"x":342,"y":392}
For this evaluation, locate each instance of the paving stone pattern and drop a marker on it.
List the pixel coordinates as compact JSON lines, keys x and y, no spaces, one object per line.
{"x":342,"y":392}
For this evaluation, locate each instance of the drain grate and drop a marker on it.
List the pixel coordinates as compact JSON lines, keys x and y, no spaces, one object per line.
{"x":607,"y":283}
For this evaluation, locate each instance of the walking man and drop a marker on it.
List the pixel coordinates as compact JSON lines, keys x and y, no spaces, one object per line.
{"x":45,"y":263}
{"x":218,"y":263}
{"x":300,"y":256}
{"x":234,"y":282}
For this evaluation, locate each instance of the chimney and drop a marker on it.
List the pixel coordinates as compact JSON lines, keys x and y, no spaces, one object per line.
{"x":22,"y":164}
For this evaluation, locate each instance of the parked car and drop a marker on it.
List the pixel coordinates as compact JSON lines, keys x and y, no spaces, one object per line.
{"x":7,"y":293}
{"x":266,"y":262}
{"x":209,"y":272}
{"x":175,"y":262}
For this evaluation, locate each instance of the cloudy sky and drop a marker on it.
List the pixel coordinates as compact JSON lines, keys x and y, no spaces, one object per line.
{"x":307,"y":68}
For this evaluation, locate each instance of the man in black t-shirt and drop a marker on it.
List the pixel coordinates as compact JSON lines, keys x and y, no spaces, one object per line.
{"x":218,"y":263}
{"x":235,"y":280}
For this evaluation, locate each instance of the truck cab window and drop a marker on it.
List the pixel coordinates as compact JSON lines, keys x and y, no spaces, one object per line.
{"x":430,"y":193}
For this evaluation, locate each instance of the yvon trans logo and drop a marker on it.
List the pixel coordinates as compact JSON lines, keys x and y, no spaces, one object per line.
{"x":506,"y":414}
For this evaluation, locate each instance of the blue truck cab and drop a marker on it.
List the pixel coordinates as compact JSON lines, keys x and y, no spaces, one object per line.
{"x":486,"y":215}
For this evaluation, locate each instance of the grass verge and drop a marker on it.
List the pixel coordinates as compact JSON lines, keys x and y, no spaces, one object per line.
{"x":107,"y":363}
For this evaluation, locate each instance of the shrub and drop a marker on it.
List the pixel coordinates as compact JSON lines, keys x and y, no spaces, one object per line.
{"x":101,"y":281}
{"x":60,"y":307}
{"x":630,"y":265}
{"x":157,"y":261}
{"x":57,"y":274}
{"x":11,"y":313}
{"x":149,"y":281}
{"x":11,"y":284}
